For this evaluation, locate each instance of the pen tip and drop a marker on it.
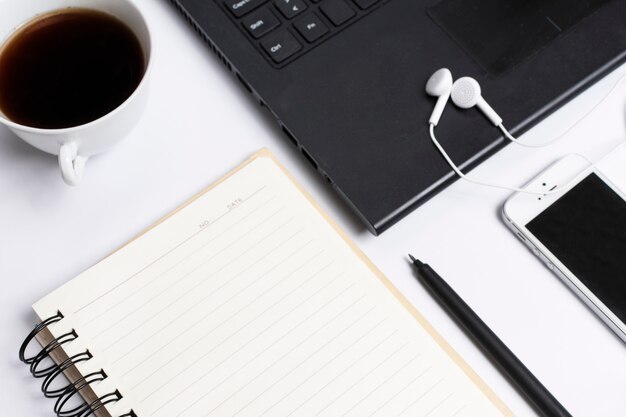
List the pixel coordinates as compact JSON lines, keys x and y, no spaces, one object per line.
{"x":415,"y":261}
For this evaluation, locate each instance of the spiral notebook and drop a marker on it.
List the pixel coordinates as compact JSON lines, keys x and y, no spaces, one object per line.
{"x":246,"y":301}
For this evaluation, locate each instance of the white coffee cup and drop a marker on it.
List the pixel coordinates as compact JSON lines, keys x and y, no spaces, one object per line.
{"x":75,"y":145}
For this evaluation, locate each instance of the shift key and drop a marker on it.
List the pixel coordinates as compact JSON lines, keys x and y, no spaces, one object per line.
{"x":281,"y":45}
{"x":260,"y":22}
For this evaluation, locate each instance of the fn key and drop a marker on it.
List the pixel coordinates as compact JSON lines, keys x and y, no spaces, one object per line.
{"x":280,"y":45}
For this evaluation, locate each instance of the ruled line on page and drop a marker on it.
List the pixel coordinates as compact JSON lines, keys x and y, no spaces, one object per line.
{"x":344,"y":370}
{"x":178,"y":280}
{"x":341,"y":352}
{"x":302,"y":362}
{"x":238,"y":240}
{"x":236,"y":332}
{"x":211,"y":331}
{"x":401,"y":390}
{"x":154,"y":280}
{"x":457,"y":412}
{"x":422,"y":395}
{"x":223,"y":303}
{"x":256,"y":336}
{"x":172,"y":249}
{"x":290,"y":351}
{"x":439,"y":404}
{"x":276,"y":341}
{"x":389,"y":378}
{"x":362,"y":378}
{"x":202,"y":338}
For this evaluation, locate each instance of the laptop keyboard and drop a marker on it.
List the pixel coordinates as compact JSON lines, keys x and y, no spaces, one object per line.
{"x":284,"y":30}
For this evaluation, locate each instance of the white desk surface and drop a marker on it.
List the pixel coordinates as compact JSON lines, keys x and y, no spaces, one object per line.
{"x":200,"y":123}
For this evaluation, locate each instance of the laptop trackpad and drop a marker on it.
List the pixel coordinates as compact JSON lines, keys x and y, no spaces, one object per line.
{"x":500,"y":34}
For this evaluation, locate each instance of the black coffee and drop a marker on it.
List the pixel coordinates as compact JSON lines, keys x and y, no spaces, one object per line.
{"x":68,"y":68}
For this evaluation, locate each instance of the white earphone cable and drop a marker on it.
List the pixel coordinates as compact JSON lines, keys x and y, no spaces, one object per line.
{"x":499,"y":186}
{"x":510,"y":137}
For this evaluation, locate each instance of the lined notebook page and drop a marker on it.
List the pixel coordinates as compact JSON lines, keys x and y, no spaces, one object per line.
{"x":247,"y":302}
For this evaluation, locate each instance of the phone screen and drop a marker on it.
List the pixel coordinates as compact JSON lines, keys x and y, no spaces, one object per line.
{"x":586,"y":230}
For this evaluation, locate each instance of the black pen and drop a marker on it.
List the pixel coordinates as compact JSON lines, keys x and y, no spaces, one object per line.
{"x":538,"y":395}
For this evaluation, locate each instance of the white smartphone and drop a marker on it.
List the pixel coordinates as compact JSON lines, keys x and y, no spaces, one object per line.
{"x":580,"y":233}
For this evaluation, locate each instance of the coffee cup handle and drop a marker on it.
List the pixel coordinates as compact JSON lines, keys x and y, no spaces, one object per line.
{"x":71,"y":163}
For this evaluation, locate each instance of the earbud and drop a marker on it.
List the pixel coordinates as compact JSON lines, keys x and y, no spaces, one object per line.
{"x":466,"y":94}
{"x":439,"y":85}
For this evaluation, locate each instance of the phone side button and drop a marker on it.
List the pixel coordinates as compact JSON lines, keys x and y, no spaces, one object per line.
{"x":543,"y":259}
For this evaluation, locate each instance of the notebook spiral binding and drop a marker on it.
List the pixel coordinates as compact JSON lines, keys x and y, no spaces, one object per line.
{"x":50,"y":373}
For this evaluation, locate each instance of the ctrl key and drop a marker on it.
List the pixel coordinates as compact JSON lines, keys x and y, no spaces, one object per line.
{"x":281,"y":45}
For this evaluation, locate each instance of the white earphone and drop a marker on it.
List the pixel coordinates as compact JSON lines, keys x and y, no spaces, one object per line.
{"x":439,"y":85}
{"x":466,"y":93}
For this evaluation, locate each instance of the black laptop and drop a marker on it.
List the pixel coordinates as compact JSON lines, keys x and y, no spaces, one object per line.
{"x":345,"y":79}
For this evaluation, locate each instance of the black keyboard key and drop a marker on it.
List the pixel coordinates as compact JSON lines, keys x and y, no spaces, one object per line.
{"x":311,"y":27}
{"x":364,"y":4}
{"x":280,"y":45}
{"x":337,"y":11}
{"x":290,"y":8}
{"x":241,"y":7}
{"x":260,"y":22}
